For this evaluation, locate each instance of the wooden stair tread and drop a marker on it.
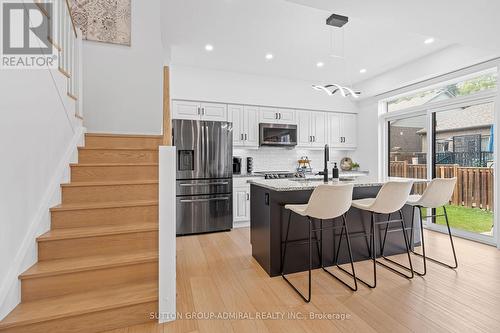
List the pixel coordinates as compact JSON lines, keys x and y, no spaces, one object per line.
{"x":124,"y":135}
{"x":78,"y":304}
{"x":79,"y":264}
{"x":110,"y":183}
{"x":118,"y":149}
{"x":112,"y":164}
{"x":82,"y":232}
{"x":118,"y":204}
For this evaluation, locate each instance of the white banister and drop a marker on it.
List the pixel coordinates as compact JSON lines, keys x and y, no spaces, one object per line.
{"x":68,"y":40}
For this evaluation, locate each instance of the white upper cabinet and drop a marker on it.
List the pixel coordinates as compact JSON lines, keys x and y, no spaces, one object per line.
{"x":277,"y":116}
{"x":235,"y":116}
{"x":199,"y":111}
{"x":350,"y":134}
{"x":186,"y":110}
{"x":312,"y":129}
{"x":251,"y":126}
{"x":245,"y":121}
{"x":214,"y":111}
{"x":342,"y":130}
{"x":304,"y":137}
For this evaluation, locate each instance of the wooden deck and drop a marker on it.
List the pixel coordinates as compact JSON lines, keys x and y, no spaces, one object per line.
{"x":216,"y":273}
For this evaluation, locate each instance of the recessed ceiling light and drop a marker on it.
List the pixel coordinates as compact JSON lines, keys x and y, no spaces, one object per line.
{"x":209,"y":47}
{"x":320,"y":64}
{"x":269,"y":56}
{"x":429,"y":40}
{"x":362,"y":71}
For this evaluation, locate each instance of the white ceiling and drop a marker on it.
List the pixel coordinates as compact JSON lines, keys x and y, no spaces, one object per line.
{"x":243,"y":31}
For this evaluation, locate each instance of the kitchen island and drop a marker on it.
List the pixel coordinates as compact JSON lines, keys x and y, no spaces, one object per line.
{"x":269,"y":218}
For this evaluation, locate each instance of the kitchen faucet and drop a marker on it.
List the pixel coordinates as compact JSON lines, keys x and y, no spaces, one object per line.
{"x":325,"y":168}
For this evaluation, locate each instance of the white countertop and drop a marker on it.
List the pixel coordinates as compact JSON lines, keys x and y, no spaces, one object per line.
{"x":298,"y":184}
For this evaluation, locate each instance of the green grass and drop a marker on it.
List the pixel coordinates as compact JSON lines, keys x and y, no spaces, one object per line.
{"x":469,"y":219}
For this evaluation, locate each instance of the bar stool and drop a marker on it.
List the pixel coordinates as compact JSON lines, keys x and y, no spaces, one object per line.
{"x":327,"y":202}
{"x":390,"y":199}
{"x":437,"y":194}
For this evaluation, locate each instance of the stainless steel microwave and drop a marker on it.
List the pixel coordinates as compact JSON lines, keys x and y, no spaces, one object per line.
{"x":281,"y":135}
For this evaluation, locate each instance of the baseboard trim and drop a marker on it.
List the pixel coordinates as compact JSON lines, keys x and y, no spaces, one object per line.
{"x":11,"y":282}
{"x":244,"y":224}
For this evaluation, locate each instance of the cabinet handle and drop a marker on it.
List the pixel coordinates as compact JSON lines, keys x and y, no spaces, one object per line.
{"x":246,"y":137}
{"x":198,"y":111}
{"x":248,"y":196}
{"x":280,"y":115}
{"x":242,"y":138}
{"x":276,"y":115}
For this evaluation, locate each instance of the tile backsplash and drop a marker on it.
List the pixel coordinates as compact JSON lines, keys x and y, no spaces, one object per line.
{"x":283,"y":159}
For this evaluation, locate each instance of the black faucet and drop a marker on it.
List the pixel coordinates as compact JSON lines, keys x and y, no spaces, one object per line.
{"x":325,"y":169}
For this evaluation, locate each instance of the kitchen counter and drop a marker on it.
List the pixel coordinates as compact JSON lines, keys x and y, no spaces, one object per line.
{"x":269,"y":218}
{"x":299,"y":184}
{"x":247,"y":175}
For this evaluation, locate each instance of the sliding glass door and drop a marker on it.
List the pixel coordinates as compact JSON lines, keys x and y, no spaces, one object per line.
{"x":408,"y":149}
{"x":463,"y":147}
{"x":447,"y":131}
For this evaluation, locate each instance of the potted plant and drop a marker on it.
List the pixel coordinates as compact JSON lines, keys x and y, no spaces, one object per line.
{"x":354,"y":166}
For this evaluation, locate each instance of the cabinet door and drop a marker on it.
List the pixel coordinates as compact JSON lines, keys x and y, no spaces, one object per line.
{"x":269,"y":115}
{"x":350,"y":130}
{"x":251,"y":126}
{"x":241,"y":204}
{"x":334,"y":130}
{"x":186,"y":110}
{"x":287,"y":116}
{"x":319,"y":129}
{"x":214,"y":111}
{"x":304,"y":129}
{"x":235,"y":116}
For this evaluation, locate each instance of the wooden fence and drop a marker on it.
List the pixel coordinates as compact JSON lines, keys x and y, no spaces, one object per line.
{"x":474,"y":187}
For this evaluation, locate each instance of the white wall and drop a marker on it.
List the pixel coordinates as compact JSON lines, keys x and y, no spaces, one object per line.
{"x":123,"y":85}
{"x":230,"y":87}
{"x":367,"y":153}
{"x":38,"y":137}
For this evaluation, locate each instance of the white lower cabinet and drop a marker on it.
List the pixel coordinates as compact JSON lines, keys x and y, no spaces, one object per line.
{"x":241,"y":202}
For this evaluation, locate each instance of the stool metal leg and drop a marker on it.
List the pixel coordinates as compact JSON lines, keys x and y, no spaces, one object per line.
{"x":373,"y":254}
{"x":407,"y":245}
{"x":422,"y":239}
{"x":423,"y":255}
{"x":353,"y":274}
{"x":308,"y":298}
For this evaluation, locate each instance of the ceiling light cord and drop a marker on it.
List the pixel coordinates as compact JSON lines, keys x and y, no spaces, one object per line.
{"x":344,"y":91}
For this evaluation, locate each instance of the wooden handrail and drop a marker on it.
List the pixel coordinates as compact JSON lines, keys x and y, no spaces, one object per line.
{"x":167,"y":122}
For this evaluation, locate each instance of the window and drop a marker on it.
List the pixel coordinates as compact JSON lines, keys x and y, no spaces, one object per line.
{"x":462,"y":87}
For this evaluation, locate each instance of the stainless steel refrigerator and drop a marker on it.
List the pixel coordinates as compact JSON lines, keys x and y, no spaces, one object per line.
{"x":204,"y":188}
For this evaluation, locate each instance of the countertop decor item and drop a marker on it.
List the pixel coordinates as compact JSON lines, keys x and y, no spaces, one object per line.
{"x":346,"y":164}
{"x":103,"y":21}
{"x":354,"y":166}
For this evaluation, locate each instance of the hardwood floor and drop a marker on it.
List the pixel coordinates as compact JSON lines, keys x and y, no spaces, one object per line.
{"x":216,"y":273}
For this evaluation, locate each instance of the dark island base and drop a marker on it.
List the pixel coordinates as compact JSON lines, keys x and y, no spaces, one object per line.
{"x":269,"y":220}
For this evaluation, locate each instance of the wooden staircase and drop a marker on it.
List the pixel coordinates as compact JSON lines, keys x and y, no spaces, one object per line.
{"x":98,"y":265}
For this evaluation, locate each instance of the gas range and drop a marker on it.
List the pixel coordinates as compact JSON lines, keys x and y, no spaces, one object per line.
{"x":279,"y":174}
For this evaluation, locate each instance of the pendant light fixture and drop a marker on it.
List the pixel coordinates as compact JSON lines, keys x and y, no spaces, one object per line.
{"x":338,"y":21}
